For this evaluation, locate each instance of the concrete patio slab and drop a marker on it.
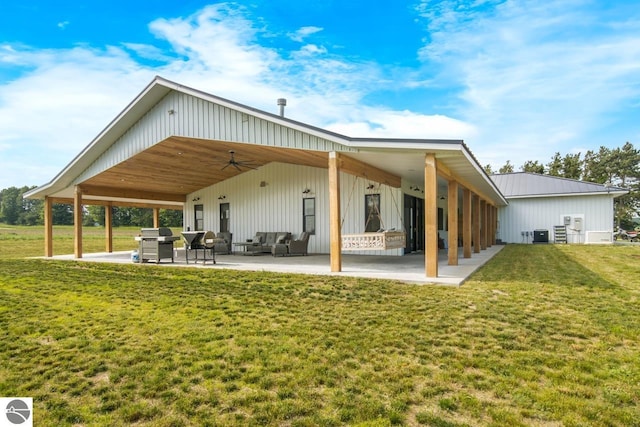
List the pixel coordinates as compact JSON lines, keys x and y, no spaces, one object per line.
{"x":408,"y":268}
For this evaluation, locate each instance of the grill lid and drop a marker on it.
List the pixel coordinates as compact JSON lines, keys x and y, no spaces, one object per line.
{"x":192,"y":236}
{"x":155,"y":232}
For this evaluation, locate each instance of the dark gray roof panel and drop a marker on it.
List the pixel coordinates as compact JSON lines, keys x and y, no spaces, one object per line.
{"x":523,"y":184}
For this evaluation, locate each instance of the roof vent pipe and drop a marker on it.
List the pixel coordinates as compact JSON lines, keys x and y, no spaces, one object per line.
{"x":282,"y":102}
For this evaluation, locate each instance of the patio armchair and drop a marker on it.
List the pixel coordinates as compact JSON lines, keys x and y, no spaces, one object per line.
{"x":223,"y":247}
{"x":299,"y":246}
{"x":292,"y":247}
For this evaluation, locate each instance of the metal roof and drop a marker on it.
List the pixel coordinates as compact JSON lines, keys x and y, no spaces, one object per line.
{"x":525,"y":184}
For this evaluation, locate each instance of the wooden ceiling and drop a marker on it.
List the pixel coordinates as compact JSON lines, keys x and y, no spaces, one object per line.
{"x":178,"y":166}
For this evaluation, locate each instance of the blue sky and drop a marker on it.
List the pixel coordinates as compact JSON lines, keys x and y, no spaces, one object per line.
{"x":517,"y":80}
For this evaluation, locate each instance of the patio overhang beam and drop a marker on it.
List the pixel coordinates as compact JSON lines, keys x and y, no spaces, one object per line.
{"x":92,"y":190}
{"x":447,"y":174}
{"x":363,"y":170}
{"x":90,"y":202}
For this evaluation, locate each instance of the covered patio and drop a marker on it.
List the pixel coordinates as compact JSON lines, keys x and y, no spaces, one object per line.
{"x":407,"y":269}
{"x":169,"y":149}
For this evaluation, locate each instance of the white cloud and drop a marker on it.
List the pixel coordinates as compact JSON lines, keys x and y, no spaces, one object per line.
{"x":383,"y":123}
{"x":218,"y":39}
{"x":304,"y":32}
{"x":67,"y":96}
{"x":312,"y":49}
{"x":49,"y":114}
{"x":63,"y":25}
{"x":537,"y":77}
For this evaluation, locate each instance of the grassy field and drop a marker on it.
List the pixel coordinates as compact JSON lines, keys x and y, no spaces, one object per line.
{"x":20,"y":242}
{"x":543,"y":335}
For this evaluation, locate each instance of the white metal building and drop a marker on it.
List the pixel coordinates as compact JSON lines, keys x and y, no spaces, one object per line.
{"x":232,"y":168}
{"x":175,"y":147}
{"x":545,"y":203}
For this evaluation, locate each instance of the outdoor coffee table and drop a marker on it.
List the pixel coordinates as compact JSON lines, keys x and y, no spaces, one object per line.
{"x":246,"y":246}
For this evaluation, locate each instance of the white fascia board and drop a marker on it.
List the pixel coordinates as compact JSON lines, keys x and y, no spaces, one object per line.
{"x":406,"y":144}
{"x":598,"y":193}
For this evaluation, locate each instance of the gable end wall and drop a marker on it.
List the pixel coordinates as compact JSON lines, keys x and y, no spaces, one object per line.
{"x":197,"y":118}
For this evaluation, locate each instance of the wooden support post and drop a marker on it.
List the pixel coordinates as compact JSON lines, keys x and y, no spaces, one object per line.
{"x":489,"y":225}
{"x":466,"y":223}
{"x":476,"y":224}
{"x":335,"y":233}
{"x":156,"y":217}
{"x":108,"y":227}
{"x":452,"y":207}
{"x":495,"y":224}
{"x":483,"y":224}
{"x":48,"y":227}
{"x":77,"y":221}
{"x":431,"y":215}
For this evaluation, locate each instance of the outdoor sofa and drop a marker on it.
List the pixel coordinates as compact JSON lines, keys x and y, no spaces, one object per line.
{"x":263,"y":241}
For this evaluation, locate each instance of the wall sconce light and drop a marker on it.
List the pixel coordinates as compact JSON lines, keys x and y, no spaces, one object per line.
{"x":370,"y":187}
{"x":171,"y":112}
{"x":306,"y":191}
{"x":442,"y":198}
{"x":263,"y":183}
{"x":195,"y":199}
{"x":416,"y":188}
{"x":222,"y":197}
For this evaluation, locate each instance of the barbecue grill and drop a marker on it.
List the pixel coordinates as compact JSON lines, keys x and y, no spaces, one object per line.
{"x":200,"y":240}
{"x":192,"y":242}
{"x":156,"y":244}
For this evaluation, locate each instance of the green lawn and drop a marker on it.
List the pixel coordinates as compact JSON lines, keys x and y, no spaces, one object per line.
{"x":542,"y":335}
{"x":20,"y":242}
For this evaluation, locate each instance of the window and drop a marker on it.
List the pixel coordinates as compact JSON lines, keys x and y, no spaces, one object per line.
{"x":309,"y":215}
{"x":198,"y":217}
{"x":371,"y":213}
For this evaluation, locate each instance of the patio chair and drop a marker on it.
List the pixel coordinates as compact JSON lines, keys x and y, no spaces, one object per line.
{"x":299,"y":246}
{"x":223,"y":247}
{"x":281,"y":246}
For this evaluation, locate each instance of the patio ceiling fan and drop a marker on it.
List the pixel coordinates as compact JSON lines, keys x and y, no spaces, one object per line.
{"x":238,"y":164}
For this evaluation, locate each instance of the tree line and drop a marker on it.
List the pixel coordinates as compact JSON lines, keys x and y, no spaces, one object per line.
{"x":615,"y":167}
{"x":16,"y":210}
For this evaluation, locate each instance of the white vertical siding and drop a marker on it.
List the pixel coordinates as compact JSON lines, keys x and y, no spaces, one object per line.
{"x":197,"y":118}
{"x":543,"y":213}
{"x":278,"y":205}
